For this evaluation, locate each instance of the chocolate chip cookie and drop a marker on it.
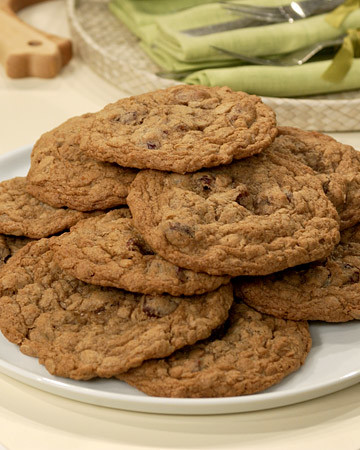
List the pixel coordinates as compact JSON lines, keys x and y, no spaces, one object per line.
{"x":180,"y":129}
{"x":62,"y":175}
{"x":337,"y":166}
{"x":250,"y":353}
{"x":21,"y":214}
{"x":107,"y":250}
{"x":81,"y":331}
{"x":327,"y":290}
{"x":253,"y":217}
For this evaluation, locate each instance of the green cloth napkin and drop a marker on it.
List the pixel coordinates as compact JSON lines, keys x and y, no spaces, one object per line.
{"x":140,"y":15}
{"x":146,"y":22}
{"x":174,"y":51}
{"x":158,"y":24}
{"x":271,"y":81}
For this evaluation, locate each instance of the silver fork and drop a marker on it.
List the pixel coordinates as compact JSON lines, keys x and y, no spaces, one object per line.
{"x":296,"y":58}
{"x":290,"y":12}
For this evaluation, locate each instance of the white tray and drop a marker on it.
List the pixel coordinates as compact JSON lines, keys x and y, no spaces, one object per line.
{"x":110,"y":49}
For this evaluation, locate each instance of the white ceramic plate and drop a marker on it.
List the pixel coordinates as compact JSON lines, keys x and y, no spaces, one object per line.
{"x":333,"y":364}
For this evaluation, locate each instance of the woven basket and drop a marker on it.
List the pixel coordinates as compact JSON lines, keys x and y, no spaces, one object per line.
{"x":111,"y":50}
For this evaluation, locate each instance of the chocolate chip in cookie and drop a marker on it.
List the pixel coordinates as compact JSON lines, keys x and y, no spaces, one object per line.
{"x":81,"y":331}
{"x":253,"y":217}
{"x":180,"y":129}
{"x":107,"y":250}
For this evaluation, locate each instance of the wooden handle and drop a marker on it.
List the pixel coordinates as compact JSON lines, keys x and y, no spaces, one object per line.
{"x":26,"y":51}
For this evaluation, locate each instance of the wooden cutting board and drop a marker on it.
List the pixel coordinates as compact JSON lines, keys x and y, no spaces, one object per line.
{"x":26,"y":51}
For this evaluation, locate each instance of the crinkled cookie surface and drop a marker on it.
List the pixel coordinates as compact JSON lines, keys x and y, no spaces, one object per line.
{"x":81,"y":331}
{"x":326,"y":290}
{"x":256,"y":216}
{"x":107,"y":250}
{"x":252,"y":352}
{"x":180,"y":129}
{"x":21,"y":214}
{"x":337,"y":166}
{"x":62,"y":175}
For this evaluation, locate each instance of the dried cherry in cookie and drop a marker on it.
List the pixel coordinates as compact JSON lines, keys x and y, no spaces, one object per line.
{"x":107,"y":250}
{"x":253,"y":217}
{"x":81,"y":331}
{"x":21,"y":214}
{"x":250,"y":353}
{"x":62,"y":175}
{"x":326,"y":290}
{"x":180,"y":129}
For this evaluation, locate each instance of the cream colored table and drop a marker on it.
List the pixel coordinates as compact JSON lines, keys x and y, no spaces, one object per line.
{"x":33,"y":419}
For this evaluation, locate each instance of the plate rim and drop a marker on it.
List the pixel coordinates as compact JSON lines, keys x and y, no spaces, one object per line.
{"x":161,"y":405}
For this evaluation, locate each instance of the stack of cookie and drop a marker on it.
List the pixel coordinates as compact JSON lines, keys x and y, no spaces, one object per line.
{"x":172,"y":197}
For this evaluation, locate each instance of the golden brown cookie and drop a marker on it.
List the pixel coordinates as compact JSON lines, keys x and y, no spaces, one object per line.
{"x":62,"y":175}
{"x":180,"y":129}
{"x":21,"y":214}
{"x":327,"y":290}
{"x":252,"y":217}
{"x":81,"y":331}
{"x":250,"y":353}
{"x":337,"y":166}
{"x":108,"y":251}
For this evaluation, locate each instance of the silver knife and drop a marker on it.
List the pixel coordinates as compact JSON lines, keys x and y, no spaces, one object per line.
{"x":312,"y":7}
{"x":224,"y":26}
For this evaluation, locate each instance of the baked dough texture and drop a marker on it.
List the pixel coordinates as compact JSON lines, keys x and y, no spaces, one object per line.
{"x":253,"y":217}
{"x":108,"y":251}
{"x":326,"y":290}
{"x":250,"y":353}
{"x":21,"y":214}
{"x":180,"y":129}
{"x":81,"y":331}
{"x":62,"y":175}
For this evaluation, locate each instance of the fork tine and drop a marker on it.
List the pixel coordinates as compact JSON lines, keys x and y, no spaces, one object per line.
{"x":297,"y":57}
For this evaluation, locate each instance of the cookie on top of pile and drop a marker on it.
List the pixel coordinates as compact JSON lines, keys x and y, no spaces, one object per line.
{"x":120,"y":249}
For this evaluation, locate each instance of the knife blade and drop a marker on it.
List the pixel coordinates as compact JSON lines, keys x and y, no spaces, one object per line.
{"x":254,"y":21}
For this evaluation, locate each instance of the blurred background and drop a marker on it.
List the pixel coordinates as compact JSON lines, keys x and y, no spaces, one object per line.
{"x":303,"y":61}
